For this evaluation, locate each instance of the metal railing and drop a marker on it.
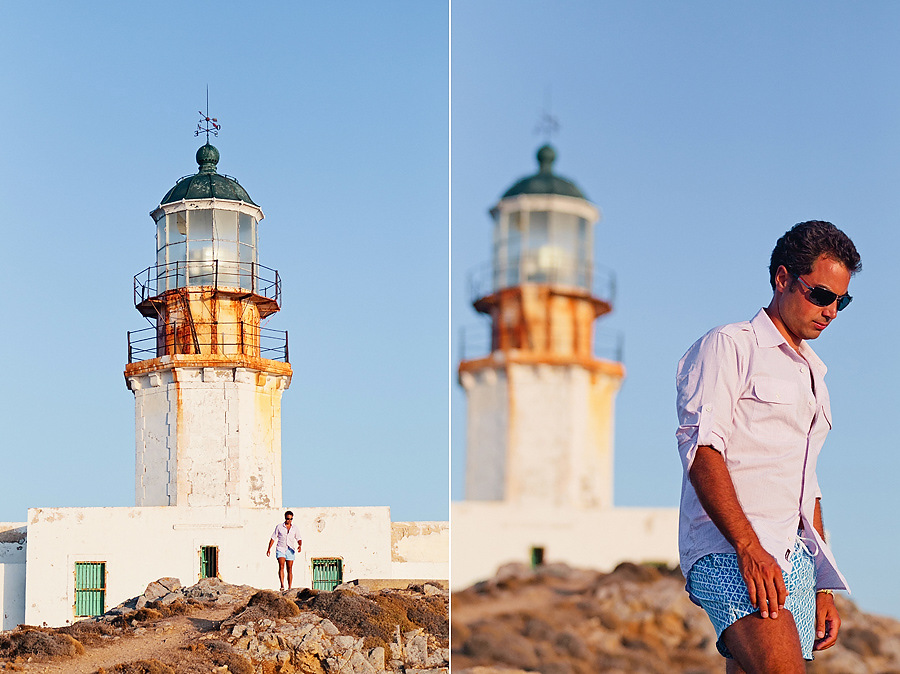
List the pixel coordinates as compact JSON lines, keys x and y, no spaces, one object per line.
{"x":488,"y":278}
{"x":475,"y":342}
{"x":249,"y":276}
{"x":228,"y":339}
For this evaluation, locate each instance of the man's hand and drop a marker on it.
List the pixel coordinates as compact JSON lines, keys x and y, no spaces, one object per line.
{"x":765,"y":584}
{"x":828,"y":622}
{"x":269,"y":552}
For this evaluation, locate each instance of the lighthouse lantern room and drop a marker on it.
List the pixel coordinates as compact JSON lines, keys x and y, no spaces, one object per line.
{"x":207,"y":376}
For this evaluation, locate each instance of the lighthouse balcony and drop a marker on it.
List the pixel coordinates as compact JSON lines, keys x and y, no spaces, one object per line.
{"x":236,"y":339}
{"x":240,"y":279}
{"x":537,"y":267}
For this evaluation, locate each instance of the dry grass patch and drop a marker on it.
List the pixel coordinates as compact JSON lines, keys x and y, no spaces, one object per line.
{"x":139,"y":667}
{"x":273,"y":605}
{"x":377,"y":616}
{"x":155,"y":611}
{"x":88,"y":632}
{"x":209,"y":654}
{"x":263,"y":604}
{"x":35,"y":641}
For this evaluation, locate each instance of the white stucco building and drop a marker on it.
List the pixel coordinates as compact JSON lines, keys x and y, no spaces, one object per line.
{"x":539,"y":454}
{"x":207,"y":380}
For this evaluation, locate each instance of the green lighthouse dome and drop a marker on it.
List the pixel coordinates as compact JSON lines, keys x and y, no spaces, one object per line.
{"x":206,"y":183}
{"x":545,"y":181}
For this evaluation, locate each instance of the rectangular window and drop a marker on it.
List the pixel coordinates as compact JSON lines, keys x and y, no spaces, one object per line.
{"x":513,"y":257}
{"x":201,"y":226}
{"x":327,"y":574}
{"x":90,"y":588}
{"x":209,"y":561}
{"x":537,"y":557}
{"x":180,"y":231}
{"x":161,"y":233}
{"x":226,"y":251}
{"x":246,"y":230}
{"x":225,"y":225}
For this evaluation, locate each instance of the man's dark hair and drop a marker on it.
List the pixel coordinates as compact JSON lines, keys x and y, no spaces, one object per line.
{"x":288,"y":512}
{"x":803,"y":243}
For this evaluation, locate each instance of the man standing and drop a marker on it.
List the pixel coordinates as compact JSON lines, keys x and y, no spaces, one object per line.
{"x":287,"y":540}
{"x":753,"y":413}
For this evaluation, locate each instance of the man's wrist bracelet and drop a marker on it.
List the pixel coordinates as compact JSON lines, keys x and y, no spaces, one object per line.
{"x":831,"y":592}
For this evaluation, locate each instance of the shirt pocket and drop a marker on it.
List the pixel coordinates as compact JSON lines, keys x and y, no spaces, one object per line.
{"x":769,"y":391}
{"x":770,"y":413}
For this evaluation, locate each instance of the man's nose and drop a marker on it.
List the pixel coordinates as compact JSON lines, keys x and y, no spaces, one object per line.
{"x":830,"y":311}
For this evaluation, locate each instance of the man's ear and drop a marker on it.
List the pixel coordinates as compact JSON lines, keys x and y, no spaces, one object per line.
{"x":782,"y":279}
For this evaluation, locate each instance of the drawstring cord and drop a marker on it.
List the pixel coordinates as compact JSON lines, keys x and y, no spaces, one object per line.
{"x":806,"y":542}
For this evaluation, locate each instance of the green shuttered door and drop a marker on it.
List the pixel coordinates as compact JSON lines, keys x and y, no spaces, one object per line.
{"x":327,"y":574}
{"x":90,"y":588}
{"x":209,"y":561}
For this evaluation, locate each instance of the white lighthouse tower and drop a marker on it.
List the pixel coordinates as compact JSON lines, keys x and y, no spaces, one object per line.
{"x":539,"y":454}
{"x":207,"y":377}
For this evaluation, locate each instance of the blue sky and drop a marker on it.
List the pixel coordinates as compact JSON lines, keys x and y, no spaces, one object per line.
{"x":335,"y":119}
{"x":703,"y":131}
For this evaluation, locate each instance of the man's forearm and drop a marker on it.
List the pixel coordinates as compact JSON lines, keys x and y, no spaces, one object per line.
{"x":715,"y":490}
{"x":759,"y":569}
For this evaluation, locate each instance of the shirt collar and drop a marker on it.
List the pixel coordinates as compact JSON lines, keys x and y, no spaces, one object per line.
{"x":767,"y":335}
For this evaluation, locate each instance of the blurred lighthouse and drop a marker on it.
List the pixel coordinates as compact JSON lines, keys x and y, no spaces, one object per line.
{"x":207,"y":377}
{"x":541,"y":403}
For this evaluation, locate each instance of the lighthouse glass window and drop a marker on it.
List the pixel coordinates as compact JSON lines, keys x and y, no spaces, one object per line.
{"x":201,"y":260}
{"x":543,"y":247}
{"x":225,"y":248}
{"x":206,"y":247}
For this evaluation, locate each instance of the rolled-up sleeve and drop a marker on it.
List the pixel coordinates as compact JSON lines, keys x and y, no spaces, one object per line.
{"x":708,"y":386}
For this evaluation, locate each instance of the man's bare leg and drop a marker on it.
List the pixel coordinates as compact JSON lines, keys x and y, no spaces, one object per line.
{"x":732,"y":667}
{"x":281,"y":572}
{"x":290,"y":572}
{"x":765,"y":645}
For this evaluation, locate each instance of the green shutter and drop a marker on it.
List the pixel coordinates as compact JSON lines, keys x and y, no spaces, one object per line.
{"x":327,"y":574}
{"x":209,"y":561}
{"x":90,"y":588}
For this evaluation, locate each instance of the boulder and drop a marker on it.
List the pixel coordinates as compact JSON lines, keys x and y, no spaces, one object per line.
{"x":160,"y":588}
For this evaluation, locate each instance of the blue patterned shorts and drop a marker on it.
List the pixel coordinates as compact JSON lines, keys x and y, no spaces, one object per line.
{"x":287,"y":554}
{"x":715,"y":584}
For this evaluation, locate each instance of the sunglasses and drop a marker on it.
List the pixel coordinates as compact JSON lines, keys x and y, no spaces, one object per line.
{"x":822,"y":297}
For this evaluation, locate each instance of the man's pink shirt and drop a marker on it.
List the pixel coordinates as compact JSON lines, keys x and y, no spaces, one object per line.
{"x":284,"y":538}
{"x":745,"y":392}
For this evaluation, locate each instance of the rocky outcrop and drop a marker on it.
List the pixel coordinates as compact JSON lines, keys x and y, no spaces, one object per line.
{"x":168,"y":591}
{"x":314,"y":632}
{"x":559,"y":620}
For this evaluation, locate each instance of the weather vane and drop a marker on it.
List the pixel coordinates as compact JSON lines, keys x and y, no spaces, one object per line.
{"x":547,"y":124}
{"x":207,"y":124}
